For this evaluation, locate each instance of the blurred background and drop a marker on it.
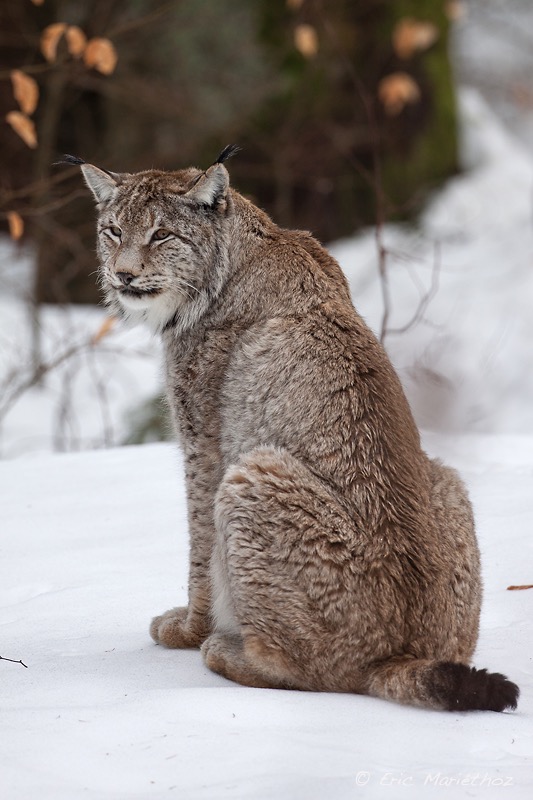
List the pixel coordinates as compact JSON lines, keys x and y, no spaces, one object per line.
{"x":397,"y":131}
{"x":296,"y":83}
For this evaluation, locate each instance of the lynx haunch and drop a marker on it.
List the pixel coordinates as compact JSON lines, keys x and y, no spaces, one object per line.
{"x":327,"y":551}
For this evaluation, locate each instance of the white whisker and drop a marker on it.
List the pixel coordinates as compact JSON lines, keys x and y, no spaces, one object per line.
{"x":185,"y":292}
{"x":190,"y":286}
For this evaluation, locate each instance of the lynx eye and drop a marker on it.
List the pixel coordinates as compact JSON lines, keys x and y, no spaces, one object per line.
{"x":115,"y":232}
{"x":160,"y":235}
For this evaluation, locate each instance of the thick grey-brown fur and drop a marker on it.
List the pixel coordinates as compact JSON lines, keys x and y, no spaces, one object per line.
{"x":327,"y":551}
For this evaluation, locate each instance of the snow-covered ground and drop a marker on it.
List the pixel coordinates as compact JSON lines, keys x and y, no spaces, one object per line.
{"x":94,"y":544}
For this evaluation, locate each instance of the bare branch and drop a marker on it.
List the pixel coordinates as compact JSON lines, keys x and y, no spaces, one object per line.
{"x":2,"y":658}
{"x":46,"y":208}
{"x":426,"y":297}
{"x":7,"y":196}
{"x":140,"y":22}
{"x":35,"y":376}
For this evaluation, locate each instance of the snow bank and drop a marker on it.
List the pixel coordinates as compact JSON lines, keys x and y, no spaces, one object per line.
{"x":94,"y":544}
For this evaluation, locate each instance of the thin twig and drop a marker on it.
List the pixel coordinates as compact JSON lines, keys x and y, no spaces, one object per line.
{"x":7,"y":196}
{"x":134,"y":24}
{"x":28,"y":69}
{"x":20,"y":661}
{"x":376,"y":174}
{"x":35,"y":376}
{"x":383,"y":206}
{"x":426,"y":298}
{"x":52,"y":205}
{"x":103,"y":397}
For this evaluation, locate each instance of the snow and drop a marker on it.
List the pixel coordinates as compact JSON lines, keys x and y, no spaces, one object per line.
{"x":491,"y":49}
{"x":94,"y":544}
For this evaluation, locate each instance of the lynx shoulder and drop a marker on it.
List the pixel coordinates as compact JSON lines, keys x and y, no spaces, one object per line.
{"x":327,"y":551}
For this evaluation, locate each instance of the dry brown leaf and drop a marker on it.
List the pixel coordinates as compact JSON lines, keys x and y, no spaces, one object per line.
{"x":16,"y":225}
{"x":50,"y":39}
{"x":100,"y":54}
{"x":306,"y":40}
{"x":411,"y":35}
{"x":515,"y":588}
{"x":76,"y":41}
{"x":294,"y":5}
{"x":25,"y":90}
{"x":396,"y":91}
{"x":37,"y":2}
{"x":105,"y":328}
{"x":24,"y":126}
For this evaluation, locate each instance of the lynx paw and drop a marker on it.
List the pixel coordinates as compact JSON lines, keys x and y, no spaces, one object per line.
{"x":171,"y":629}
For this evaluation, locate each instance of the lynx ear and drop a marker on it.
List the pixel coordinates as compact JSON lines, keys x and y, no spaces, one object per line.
{"x":102,"y":184}
{"x":211,"y":188}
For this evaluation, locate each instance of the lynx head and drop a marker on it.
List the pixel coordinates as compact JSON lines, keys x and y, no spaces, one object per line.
{"x":162,"y":240}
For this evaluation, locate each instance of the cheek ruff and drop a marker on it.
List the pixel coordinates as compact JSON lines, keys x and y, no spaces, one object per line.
{"x":154,"y":308}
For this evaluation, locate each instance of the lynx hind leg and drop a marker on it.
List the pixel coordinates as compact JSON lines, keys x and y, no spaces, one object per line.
{"x":445,"y":683}
{"x":285,"y":548}
{"x":224,"y":653}
{"x":452,"y":511}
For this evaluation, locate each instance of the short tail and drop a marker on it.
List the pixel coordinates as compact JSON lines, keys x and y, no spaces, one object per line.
{"x":442,"y":685}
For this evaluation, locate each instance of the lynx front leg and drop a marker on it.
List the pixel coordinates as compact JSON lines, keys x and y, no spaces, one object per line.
{"x":180,"y":628}
{"x":189,"y":626}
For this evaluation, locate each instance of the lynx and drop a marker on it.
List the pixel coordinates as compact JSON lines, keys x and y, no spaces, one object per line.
{"x":327,"y":551}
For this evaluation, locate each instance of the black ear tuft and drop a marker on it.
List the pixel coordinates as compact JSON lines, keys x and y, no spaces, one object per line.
{"x":67,"y":159}
{"x":229,"y":151}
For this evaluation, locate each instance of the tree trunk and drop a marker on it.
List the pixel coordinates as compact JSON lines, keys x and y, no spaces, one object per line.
{"x":333,"y":158}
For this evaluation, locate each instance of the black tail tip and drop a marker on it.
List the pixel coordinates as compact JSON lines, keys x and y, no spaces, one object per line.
{"x":462,"y":688}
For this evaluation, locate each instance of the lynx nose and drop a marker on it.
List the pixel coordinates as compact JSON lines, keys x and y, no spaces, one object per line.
{"x":125,"y":277}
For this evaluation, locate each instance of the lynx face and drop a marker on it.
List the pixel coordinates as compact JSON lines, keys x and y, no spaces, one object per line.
{"x":160,"y":241}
